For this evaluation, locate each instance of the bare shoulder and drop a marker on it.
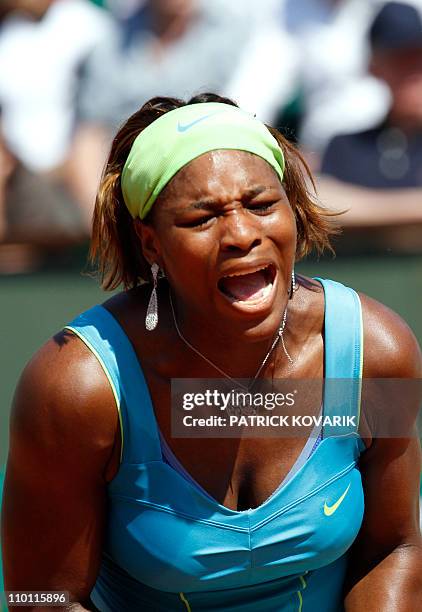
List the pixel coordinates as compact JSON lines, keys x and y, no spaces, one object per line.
{"x":64,"y":404}
{"x":390,"y":347}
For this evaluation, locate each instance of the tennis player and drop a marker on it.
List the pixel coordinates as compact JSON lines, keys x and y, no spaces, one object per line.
{"x":210,"y":207}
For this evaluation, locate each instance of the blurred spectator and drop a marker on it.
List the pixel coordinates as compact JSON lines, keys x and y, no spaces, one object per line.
{"x":42,"y":46}
{"x":306,"y":71}
{"x":332,"y":69}
{"x":370,"y":203}
{"x":167,"y":47}
{"x":389,"y":155}
{"x":32,"y":209}
{"x":266,"y":77}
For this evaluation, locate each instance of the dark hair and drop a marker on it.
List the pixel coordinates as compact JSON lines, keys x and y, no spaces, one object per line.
{"x":115,"y":247}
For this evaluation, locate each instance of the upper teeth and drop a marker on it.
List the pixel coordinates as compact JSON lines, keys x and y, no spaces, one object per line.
{"x":248,"y":272}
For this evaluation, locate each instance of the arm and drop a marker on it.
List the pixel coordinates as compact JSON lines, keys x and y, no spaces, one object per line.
{"x":370,"y":207}
{"x":7,"y":166}
{"x":385,"y":572}
{"x":82,"y":170}
{"x":62,"y":431}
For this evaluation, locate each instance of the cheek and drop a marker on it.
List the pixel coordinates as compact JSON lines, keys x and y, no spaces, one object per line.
{"x":190,"y":255}
{"x":282,"y":229}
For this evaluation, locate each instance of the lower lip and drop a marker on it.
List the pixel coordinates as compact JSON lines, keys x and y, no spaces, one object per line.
{"x":254,"y":306}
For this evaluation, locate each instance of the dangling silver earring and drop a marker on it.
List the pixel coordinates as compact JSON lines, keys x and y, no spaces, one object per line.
{"x":293,"y":285}
{"x":151,"y":319}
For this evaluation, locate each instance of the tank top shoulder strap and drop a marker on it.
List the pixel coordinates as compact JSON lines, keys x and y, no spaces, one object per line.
{"x":343,"y":360}
{"x":104,"y":336}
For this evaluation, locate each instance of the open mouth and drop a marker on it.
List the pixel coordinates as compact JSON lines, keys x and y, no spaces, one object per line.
{"x":250,"y":287}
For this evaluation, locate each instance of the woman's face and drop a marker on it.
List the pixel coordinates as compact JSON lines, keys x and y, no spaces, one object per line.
{"x":225,"y":235}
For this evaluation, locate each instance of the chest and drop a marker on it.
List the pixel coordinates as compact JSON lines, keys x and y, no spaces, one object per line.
{"x":239,"y":472}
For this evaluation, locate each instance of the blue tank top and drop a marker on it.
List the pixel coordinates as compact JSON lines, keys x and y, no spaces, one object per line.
{"x":170,"y":546}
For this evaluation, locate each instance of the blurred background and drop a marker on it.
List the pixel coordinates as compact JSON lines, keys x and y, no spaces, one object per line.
{"x":341,"y":78}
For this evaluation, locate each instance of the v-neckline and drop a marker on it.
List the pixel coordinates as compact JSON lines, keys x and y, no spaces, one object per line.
{"x":184,"y":473}
{"x":193,"y":483}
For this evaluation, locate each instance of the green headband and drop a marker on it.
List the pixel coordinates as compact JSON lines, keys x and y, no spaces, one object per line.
{"x":181,"y":135}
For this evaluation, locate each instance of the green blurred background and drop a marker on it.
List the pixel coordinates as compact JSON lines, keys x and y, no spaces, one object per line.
{"x":35,"y":306}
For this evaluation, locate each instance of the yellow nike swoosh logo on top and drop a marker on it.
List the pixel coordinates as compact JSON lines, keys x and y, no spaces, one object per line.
{"x":329,"y":510}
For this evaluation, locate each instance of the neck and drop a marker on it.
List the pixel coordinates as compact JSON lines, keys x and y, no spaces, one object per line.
{"x":236,"y":354}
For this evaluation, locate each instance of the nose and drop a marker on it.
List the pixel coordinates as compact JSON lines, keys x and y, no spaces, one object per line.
{"x":239,"y":232}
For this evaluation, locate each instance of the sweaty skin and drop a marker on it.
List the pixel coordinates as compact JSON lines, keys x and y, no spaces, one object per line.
{"x":225,"y":210}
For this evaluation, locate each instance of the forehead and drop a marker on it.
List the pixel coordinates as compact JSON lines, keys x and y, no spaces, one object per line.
{"x":220,"y":171}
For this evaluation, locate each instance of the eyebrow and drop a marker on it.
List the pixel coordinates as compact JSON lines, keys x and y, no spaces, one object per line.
{"x":210,"y":203}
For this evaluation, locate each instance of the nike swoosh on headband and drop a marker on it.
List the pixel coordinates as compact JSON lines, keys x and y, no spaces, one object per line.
{"x":187,"y":126}
{"x":329,"y":510}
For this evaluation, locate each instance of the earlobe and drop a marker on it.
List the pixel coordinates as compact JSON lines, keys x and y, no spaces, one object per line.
{"x":149,"y":242}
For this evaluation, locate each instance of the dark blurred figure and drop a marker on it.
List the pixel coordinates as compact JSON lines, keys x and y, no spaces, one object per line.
{"x":165,"y":47}
{"x":42,"y":46}
{"x":32,"y":209}
{"x":389,"y":155}
{"x":332,"y":71}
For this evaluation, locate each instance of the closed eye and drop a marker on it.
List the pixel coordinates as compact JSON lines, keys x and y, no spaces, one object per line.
{"x":261,"y":207}
{"x":200,"y":222}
